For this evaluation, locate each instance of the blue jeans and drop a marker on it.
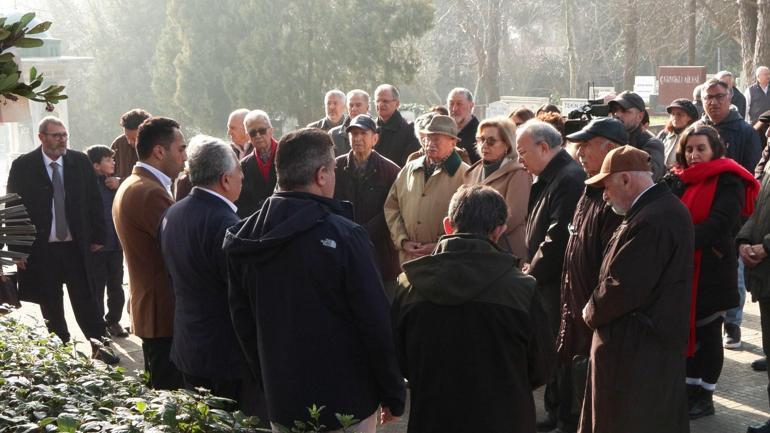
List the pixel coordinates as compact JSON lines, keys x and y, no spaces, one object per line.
{"x":735,"y":316}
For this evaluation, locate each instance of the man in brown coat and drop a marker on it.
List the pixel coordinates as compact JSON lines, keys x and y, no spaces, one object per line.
{"x":137,"y":210}
{"x":590,"y":232}
{"x":124,"y":145}
{"x":639,"y":310}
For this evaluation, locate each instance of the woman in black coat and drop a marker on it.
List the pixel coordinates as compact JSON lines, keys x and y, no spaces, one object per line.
{"x":716,"y":191}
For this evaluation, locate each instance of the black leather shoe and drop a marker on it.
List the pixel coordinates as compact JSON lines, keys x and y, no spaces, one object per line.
{"x":759,"y":364}
{"x":103,"y":353}
{"x":115,"y":330}
{"x":762,"y":428}
{"x":703,"y":404}
{"x":693,"y":391}
{"x":548,"y":424}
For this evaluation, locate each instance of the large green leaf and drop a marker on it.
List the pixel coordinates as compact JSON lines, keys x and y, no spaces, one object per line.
{"x":4,"y":34}
{"x":28,"y":43}
{"x":26,"y":18}
{"x":40,"y":28}
{"x":8,"y":81}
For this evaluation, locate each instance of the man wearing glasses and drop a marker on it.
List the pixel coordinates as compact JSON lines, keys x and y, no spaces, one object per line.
{"x":259,"y":166}
{"x":744,"y":146}
{"x":58,"y":187}
{"x":397,"y":140}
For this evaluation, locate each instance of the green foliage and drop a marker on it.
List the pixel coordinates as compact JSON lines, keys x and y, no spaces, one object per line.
{"x":46,"y":386}
{"x":49,"y":387}
{"x":282,"y":56}
{"x":11,"y":84}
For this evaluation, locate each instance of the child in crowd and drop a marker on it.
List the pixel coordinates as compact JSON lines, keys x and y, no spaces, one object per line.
{"x":108,"y":261}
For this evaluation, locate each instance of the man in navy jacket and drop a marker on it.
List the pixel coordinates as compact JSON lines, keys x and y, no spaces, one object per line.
{"x":307,"y":300}
{"x":204,"y":347}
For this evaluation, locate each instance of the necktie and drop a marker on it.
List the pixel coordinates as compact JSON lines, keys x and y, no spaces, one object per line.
{"x":58,"y":203}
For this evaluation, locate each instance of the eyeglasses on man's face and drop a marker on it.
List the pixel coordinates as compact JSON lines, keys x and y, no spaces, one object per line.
{"x":261,"y":131}
{"x":57,"y":135}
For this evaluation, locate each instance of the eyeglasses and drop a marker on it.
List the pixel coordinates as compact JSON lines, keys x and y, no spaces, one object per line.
{"x":717,"y":97}
{"x":261,"y":131}
{"x":57,"y":135}
{"x":488,"y":140}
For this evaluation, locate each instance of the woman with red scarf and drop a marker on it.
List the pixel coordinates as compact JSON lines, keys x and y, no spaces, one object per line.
{"x":717,"y":191}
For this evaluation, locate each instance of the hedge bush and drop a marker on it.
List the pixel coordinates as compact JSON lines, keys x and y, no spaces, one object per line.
{"x":46,"y":386}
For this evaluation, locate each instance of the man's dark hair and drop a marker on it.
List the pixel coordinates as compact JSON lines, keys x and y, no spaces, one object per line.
{"x":99,"y":151}
{"x":134,"y":118}
{"x":300,"y":154}
{"x":155,"y":131}
{"x":477,"y":209}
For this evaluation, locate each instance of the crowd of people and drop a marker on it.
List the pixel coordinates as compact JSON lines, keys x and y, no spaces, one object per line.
{"x":468,"y":261}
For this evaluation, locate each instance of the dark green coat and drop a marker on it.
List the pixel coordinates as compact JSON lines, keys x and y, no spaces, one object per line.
{"x":757,"y":231}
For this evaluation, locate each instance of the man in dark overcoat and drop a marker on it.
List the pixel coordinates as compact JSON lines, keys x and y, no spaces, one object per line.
{"x":552,"y":202}
{"x":639,"y":310}
{"x":58,"y":187}
{"x":590,"y":232}
{"x":364,"y":178}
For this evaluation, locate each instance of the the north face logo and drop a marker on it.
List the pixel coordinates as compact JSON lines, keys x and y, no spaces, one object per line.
{"x":328,"y":243}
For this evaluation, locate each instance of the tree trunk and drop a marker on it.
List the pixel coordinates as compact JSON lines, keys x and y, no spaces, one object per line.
{"x":492,"y":47}
{"x":762,"y":45}
{"x":747,"y":19}
{"x":571,"y":54}
{"x":631,"y":45}
{"x":691,"y":32}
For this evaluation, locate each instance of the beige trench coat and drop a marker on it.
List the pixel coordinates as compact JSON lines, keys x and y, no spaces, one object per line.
{"x":415,"y":209}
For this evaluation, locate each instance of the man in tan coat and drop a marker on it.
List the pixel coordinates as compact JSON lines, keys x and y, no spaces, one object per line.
{"x":419,"y":198}
{"x":137,"y":210}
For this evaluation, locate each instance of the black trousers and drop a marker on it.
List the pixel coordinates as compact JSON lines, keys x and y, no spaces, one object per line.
{"x":709,"y":357}
{"x":157,"y":362}
{"x":62,"y":263}
{"x":108,"y":271}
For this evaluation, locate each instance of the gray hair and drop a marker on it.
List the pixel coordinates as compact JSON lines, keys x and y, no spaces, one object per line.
{"x":334,"y":93}
{"x":42,"y":127}
{"x":355,"y":92}
{"x":477,"y":209}
{"x":257,"y":114}
{"x":241,"y":112}
{"x":209,"y":159}
{"x":711,"y":82}
{"x":541,"y":131}
{"x":721,"y":74}
{"x":760,"y":69}
{"x":389,"y":87}
{"x":300,"y":154}
{"x":463,"y":91}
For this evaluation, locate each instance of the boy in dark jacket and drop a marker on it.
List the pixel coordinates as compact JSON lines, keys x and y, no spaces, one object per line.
{"x":108,"y":261}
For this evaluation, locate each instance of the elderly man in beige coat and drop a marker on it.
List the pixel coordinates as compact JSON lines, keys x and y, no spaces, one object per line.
{"x":419,"y":198}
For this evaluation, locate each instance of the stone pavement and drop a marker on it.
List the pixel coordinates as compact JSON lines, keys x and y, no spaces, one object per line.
{"x":740,"y":399}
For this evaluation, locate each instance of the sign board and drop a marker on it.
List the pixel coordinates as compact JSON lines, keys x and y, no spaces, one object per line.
{"x":570,"y":104}
{"x":678,"y":82}
{"x":644,"y":86}
{"x":597,"y":92}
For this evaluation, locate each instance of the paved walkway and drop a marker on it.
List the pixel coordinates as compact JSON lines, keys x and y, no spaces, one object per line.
{"x":740,"y":399}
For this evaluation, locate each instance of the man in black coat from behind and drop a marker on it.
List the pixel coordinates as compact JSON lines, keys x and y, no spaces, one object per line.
{"x":552,"y":202}
{"x":471,"y":334}
{"x":58,"y":187}
{"x":204,"y":348}
{"x":307,"y":305}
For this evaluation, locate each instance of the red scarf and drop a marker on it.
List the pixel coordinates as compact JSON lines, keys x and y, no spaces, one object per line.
{"x":264,"y":167}
{"x":701,"y":180}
